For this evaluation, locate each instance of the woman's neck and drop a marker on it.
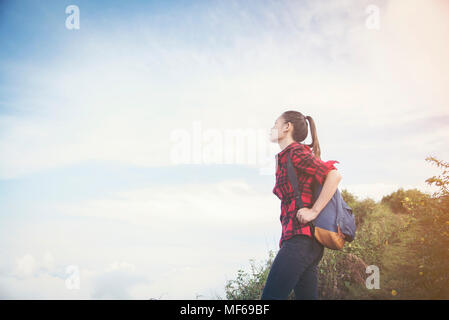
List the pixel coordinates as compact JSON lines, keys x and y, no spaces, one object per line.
{"x":285,"y":143}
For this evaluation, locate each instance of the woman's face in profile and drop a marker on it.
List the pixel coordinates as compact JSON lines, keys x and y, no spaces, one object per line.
{"x":277,"y":133}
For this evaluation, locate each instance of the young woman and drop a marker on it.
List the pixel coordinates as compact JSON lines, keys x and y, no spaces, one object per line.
{"x":295,"y":265}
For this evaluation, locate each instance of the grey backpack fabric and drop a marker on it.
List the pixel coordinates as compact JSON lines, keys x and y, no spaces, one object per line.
{"x":335,"y":214}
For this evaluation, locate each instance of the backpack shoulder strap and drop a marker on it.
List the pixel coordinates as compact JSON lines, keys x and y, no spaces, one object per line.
{"x":293,"y":177}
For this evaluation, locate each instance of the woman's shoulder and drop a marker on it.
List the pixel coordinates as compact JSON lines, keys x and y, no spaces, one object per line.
{"x":301,"y":147}
{"x":302,"y":152}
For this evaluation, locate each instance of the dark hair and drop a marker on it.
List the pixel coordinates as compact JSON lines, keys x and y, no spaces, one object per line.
{"x":299,"y":134}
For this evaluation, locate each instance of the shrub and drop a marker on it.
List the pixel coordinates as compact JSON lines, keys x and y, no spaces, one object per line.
{"x":249,"y":286}
{"x":400,"y":200}
{"x":361,"y":209}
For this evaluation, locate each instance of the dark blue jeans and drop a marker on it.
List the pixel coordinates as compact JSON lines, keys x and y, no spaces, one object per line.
{"x":294,"y":267}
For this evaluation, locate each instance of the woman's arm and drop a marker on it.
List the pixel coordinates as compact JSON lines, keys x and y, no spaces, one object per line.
{"x":330,"y":185}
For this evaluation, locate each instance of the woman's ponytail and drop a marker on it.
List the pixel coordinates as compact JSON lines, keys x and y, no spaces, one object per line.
{"x":315,"y":146}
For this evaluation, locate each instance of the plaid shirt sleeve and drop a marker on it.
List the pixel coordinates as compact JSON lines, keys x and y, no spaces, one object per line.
{"x":311,"y":165}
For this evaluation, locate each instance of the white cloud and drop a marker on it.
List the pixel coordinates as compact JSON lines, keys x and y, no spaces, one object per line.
{"x":220,"y":205}
{"x":120,"y":265}
{"x":26,"y":265}
{"x":170,"y":242}
{"x":376,"y":191}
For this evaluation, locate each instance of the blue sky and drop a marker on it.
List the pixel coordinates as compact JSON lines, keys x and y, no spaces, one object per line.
{"x":89,"y":174}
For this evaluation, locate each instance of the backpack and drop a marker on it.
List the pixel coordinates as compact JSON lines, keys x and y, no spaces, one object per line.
{"x":335,"y":224}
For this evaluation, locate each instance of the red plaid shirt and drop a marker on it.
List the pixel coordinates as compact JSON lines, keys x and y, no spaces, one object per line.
{"x":308,"y":167}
